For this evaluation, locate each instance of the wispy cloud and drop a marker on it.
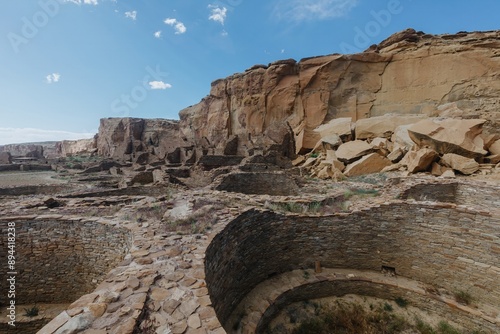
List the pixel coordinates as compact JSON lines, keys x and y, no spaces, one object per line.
{"x":217,"y":14}
{"x":159,"y":85}
{"x":30,"y":135}
{"x":179,"y":27}
{"x":53,"y":78}
{"x":86,"y":2}
{"x":307,"y":10}
{"x":158,"y":34}
{"x":131,"y":15}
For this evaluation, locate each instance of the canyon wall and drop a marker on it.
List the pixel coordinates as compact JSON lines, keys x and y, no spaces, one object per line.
{"x":278,"y":106}
{"x":409,"y":73}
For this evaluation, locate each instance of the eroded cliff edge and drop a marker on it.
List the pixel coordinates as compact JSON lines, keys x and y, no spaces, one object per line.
{"x":279,"y":105}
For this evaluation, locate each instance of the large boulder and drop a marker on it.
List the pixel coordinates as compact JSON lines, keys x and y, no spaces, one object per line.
{"x":449,"y":136}
{"x":419,"y":161}
{"x":459,"y":163}
{"x":369,"y":164}
{"x":383,"y":126}
{"x":401,"y":138}
{"x":341,"y":127}
{"x":494,"y":148}
{"x":350,"y":151}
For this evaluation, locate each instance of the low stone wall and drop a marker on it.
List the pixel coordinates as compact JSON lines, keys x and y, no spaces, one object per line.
{"x":59,"y":261}
{"x":364,"y":287}
{"x":49,"y":189}
{"x":442,"y":245}
{"x":274,"y":184}
{"x":437,"y":192}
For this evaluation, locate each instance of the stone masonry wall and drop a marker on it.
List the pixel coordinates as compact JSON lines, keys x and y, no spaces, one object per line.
{"x":446,"y":246}
{"x":365,"y":288}
{"x":57,"y":262}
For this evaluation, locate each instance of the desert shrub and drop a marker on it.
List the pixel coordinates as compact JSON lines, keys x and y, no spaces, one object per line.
{"x":463,"y":297}
{"x":32,"y":311}
{"x":446,"y":328}
{"x":401,"y":302}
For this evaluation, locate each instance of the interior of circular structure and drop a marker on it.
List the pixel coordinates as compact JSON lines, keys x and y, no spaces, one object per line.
{"x":421,"y":248}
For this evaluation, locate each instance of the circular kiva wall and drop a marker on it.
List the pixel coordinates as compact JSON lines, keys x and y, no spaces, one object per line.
{"x":59,"y":261}
{"x":442,"y":247}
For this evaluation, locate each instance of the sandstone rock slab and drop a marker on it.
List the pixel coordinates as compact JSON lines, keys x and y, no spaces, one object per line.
{"x":460,"y":163}
{"x":372,"y":163}
{"x":383,"y":126}
{"x":449,"y":136}
{"x":350,"y":151}
{"x":419,"y":161}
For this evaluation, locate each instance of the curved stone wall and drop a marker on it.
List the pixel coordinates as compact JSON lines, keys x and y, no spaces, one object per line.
{"x":441,"y":245}
{"x":59,"y":261}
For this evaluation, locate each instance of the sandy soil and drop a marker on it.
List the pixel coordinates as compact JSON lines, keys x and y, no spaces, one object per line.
{"x":15,"y":179}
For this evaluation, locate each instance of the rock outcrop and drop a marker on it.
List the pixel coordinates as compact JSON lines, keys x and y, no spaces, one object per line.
{"x":75,"y":147}
{"x":125,"y":138}
{"x":395,"y":93}
{"x":409,"y":73}
{"x":5,"y":158}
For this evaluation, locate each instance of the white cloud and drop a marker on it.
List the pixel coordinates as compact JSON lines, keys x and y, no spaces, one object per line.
{"x":307,"y":10}
{"x":218,"y":14}
{"x":159,"y":85}
{"x":30,"y":135}
{"x":224,"y":33}
{"x":86,"y":2}
{"x":179,"y":27}
{"x":131,"y":15}
{"x":53,"y":78}
{"x":158,"y":34}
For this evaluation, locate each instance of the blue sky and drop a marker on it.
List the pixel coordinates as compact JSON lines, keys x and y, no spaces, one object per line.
{"x":65,"y":64}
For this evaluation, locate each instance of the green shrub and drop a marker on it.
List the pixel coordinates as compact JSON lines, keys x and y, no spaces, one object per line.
{"x":463,"y":297}
{"x":401,"y":302}
{"x":446,"y":328}
{"x":423,"y":327}
{"x":31,"y":312}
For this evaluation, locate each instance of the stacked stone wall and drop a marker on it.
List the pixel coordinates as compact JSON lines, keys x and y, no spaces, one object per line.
{"x":59,"y":261}
{"x":445,"y":246}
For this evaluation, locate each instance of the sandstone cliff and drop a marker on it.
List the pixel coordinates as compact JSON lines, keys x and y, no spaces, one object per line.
{"x":409,"y":73}
{"x":279,"y":106}
{"x":126,"y":138}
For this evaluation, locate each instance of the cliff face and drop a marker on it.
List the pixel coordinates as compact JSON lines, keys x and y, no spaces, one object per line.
{"x":278,"y":106}
{"x":409,"y":73}
{"x":125,"y":138}
{"x":34,"y":150}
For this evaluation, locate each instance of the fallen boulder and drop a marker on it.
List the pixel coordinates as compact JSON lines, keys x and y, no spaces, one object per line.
{"x":350,"y":151}
{"x":449,"y":136}
{"x":341,"y":127}
{"x":459,"y":163}
{"x":383,"y":126}
{"x":419,"y":161}
{"x":372,"y":163}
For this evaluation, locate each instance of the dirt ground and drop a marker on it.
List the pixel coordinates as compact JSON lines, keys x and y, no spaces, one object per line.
{"x":15,"y":179}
